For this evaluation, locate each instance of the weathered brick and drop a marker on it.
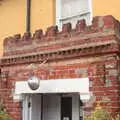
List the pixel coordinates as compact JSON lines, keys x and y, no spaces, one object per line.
{"x":113,"y":72}
{"x":82,"y":72}
{"x":73,"y":53}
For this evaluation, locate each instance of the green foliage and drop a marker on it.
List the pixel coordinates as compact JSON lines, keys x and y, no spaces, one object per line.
{"x":117,"y":117}
{"x":101,"y":114}
{"x":3,"y":114}
{"x":1,"y":105}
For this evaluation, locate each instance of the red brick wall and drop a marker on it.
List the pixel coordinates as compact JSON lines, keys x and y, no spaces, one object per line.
{"x":86,"y":51}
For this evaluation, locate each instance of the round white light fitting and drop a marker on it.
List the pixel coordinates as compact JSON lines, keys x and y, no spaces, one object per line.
{"x":34,"y":82}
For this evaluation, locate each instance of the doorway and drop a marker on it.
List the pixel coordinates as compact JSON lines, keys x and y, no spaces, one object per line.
{"x":66,"y":108}
{"x":51,"y":107}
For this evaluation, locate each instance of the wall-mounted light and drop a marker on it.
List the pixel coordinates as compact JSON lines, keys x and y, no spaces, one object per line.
{"x":34,"y":82}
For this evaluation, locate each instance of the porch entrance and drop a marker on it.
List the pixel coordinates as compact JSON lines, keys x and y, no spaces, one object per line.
{"x":51,"y":107}
{"x":58,"y":99}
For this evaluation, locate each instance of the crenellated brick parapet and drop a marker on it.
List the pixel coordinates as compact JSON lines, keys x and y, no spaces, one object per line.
{"x":86,"y":51}
{"x":100,"y":37}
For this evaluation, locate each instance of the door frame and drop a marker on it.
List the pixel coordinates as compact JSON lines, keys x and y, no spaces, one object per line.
{"x":27,"y":112}
{"x":26,"y":109}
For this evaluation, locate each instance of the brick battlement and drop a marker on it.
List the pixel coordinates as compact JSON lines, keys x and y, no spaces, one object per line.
{"x":100,"y":37}
{"x":86,"y":51}
{"x":53,"y":39}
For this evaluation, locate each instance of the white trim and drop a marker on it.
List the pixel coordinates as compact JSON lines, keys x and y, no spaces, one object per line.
{"x":26,"y":112}
{"x":91,"y":12}
{"x":77,"y":85}
{"x":81,"y":13}
{"x":30,"y":109}
{"x":58,"y":13}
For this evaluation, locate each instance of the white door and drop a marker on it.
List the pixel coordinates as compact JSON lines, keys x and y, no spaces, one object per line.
{"x":36,"y":107}
{"x":32,"y":107}
{"x":51,"y":107}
